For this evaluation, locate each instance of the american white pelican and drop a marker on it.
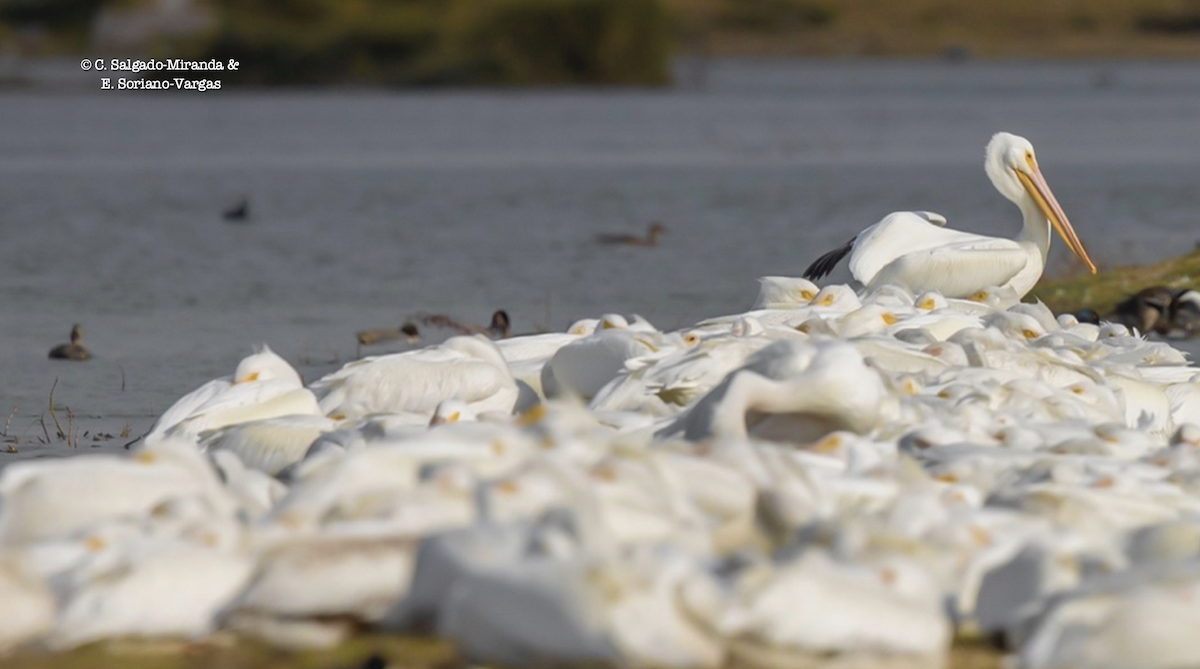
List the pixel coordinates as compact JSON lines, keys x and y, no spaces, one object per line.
{"x":1142,"y":617}
{"x":445,"y":557}
{"x":680,"y":377}
{"x":255,"y":491}
{"x":584,"y":366}
{"x":129,"y":598}
{"x":543,"y":610}
{"x":814,"y":610}
{"x":26,"y":603}
{"x":269,"y":444}
{"x":469,"y":368}
{"x":74,"y":350}
{"x":359,"y":572}
{"x":259,"y":378}
{"x":784,"y":292}
{"x":788,"y":392}
{"x":526,"y":355}
{"x":914,"y":250}
{"x":835,"y":299}
{"x":41,"y":497}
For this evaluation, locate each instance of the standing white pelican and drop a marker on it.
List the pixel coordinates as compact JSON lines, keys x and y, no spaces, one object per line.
{"x":914,"y":250}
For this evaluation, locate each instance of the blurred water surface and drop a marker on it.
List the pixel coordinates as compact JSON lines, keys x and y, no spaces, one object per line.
{"x":366,"y":206}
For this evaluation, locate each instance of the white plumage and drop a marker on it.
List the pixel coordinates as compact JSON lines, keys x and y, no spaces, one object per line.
{"x":468,"y":368}
{"x":914,"y":250}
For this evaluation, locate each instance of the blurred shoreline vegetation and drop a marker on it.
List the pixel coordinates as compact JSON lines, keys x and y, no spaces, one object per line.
{"x":388,"y":42}
{"x":475,"y":42}
{"x":573,"y":42}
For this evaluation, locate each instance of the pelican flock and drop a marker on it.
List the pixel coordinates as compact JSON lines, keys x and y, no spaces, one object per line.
{"x":835,"y":477}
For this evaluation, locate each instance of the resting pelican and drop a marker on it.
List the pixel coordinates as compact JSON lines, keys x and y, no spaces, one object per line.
{"x":914,"y":250}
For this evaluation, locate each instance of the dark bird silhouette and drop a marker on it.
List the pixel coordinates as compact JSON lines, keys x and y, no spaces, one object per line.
{"x":1088,"y":316}
{"x":1185,"y":312}
{"x":238,"y":212}
{"x":380,"y":335}
{"x":651,"y":239}
{"x":499,"y":328}
{"x":74,"y":350}
{"x":1160,"y":310}
{"x":1147,"y":310}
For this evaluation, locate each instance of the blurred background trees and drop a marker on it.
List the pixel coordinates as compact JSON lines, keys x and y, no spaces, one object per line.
{"x":551,"y":42}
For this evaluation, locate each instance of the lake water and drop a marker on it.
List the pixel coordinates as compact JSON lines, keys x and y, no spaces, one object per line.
{"x":366,"y":206}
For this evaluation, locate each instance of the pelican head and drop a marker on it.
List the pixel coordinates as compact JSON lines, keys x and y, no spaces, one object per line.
{"x":1013,"y":169}
{"x":264,"y":364}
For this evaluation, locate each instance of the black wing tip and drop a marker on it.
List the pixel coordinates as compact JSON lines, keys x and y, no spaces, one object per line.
{"x":824,"y":265}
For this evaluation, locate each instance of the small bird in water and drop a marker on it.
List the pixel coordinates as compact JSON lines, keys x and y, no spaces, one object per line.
{"x":238,"y":212}
{"x":74,"y":350}
{"x":499,"y":328}
{"x":651,"y":239}
{"x":380,"y":335}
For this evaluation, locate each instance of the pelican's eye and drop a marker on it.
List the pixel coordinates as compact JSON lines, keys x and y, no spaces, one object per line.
{"x":826,"y":301}
{"x":1029,"y":160}
{"x":453,"y":418}
{"x":691,"y":339}
{"x":927,"y":304}
{"x":806,"y":294}
{"x":889,"y":319}
{"x":533,"y":416}
{"x":828,"y":444}
{"x":979,"y":296}
{"x":508,"y":487}
{"x":252,"y":376}
{"x":1029,"y":334}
